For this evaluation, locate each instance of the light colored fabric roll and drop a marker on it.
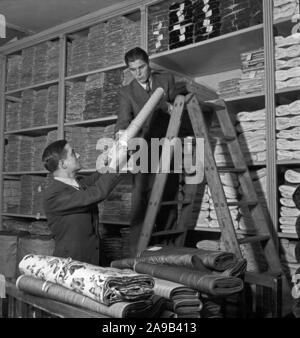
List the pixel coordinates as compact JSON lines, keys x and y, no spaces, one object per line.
{"x":285,"y":53}
{"x":288,"y":202}
{"x":287,"y":122}
{"x":287,"y":191}
{"x":229,"y":179}
{"x":234,"y":214}
{"x":258,"y":115}
{"x":248,"y":136}
{"x":289,"y":212}
{"x":288,"y":155}
{"x":289,"y":221}
{"x":293,"y":134}
{"x":257,"y":174}
{"x":292,"y":176}
{"x":285,"y":64}
{"x":284,"y":144}
{"x":283,"y":110}
{"x":289,"y":40}
{"x":248,"y":126}
{"x":294,"y":107}
{"x":290,"y":250}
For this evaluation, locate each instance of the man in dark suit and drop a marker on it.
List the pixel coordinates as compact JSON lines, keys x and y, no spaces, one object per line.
{"x":132,"y":99}
{"x":70,"y":203}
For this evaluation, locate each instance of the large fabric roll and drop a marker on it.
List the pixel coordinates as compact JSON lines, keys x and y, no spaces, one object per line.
{"x":215,"y":260}
{"x":105,"y":285}
{"x":172,"y":290}
{"x":139,"y":309}
{"x":208,"y":284}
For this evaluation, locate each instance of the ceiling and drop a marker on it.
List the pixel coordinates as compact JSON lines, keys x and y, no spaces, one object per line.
{"x":38,"y":15}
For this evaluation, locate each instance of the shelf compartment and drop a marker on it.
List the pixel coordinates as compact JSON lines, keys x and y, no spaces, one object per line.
{"x":288,"y":162}
{"x":224,"y":52}
{"x":39,"y":85}
{"x":33,"y":131}
{"x":103,"y":120}
{"x":114,"y":222}
{"x":290,"y":236}
{"x":19,"y":173}
{"x":217,"y":230}
{"x":38,"y":217}
{"x":96,"y":71}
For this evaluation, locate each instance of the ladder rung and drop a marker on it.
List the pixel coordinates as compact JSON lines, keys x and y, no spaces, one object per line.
{"x":232,"y":170}
{"x":254,"y":239}
{"x":229,"y":138}
{"x":242,"y":204}
{"x":168,"y":232}
{"x":168,"y":203}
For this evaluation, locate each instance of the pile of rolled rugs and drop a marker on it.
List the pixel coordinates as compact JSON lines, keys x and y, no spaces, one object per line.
{"x":163,"y":282}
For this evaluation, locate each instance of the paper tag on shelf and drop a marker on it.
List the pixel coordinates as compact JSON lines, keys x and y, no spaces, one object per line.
{"x":182,"y":6}
{"x":160,"y":25}
{"x":206,"y":22}
{"x":205,"y":8}
{"x":38,"y":215}
{"x":2,"y":286}
{"x":209,"y":29}
{"x":176,"y":27}
{"x":208,"y":14}
{"x":182,"y":30}
{"x":160,"y":37}
{"x":252,"y":75}
{"x":158,"y":44}
{"x":178,"y":13}
{"x":2,"y":26}
{"x":181,"y":18}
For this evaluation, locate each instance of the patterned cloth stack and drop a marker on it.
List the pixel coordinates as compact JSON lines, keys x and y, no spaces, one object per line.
{"x":32,"y":188}
{"x":181,"y":25}
{"x":11,"y":196}
{"x":13,"y":116}
{"x":78,"y":56}
{"x":288,"y":211}
{"x":207,"y":19}
{"x":290,"y":256}
{"x":229,"y":88}
{"x":39,"y":108}
{"x":12,"y":153}
{"x":253,"y":72}
{"x":93,"y":96}
{"x":40,"y":63}
{"x":96,"y":43}
{"x":158,"y":28}
{"x":40,"y":228}
{"x":287,"y":55}
{"x":28,"y":101}
{"x":285,"y":8}
{"x":26,"y":153}
{"x":117,"y":207}
{"x":52,"y":60}
{"x":288,"y":131}
{"x":239,"y":14}
{"x":27,"y":66}
{"x":14,"y":63}
{"x":125,"y":235}
{"x":39,"y":144}
{"x":75,"y":101}
{"x":251,"y":128}
{"x":112,"y":246}
{"x":52,"y":106}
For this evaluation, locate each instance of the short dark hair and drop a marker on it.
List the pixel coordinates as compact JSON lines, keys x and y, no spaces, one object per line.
{"x":136,"y":53}
{"x":53,"y":153}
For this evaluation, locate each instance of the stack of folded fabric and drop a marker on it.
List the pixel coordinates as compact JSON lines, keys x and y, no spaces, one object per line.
{"x":182,"y":301}
{"x":11,"y":196}
{"x":52,"y":105}
{"x":28,"y":102}
{"x":288,"y":211}
{"x":287,"y":53}
{"x":110,"y":292}
{"x":39,"y":107}
{"x":181,"y":27}
{"x":52,"y":60}
{"x":14,"y":63}
{"x":239,"y":14}
{"x":252,"y":134}
{"x":131,"y":34}
{"x":117,"y":207}
{"x":39,"y":145}
{"x":40,"y":62}
{"x":75,"y":101}
{"x":32,"y":188}
{"x":12,"y":153}
{"x":207,"y":19}
{"x":78,"y":55}
{"x":93,"y":96}
{"x":26,"y":153}
{"x":285,"y":8}
{"x":290,"y":256}
{"x":15,"y":225}
{"x":40,"y":228}
{"x":96,"y":51}
{"x":229,"y":88}
{"x":211,"y":273}
{"x":125,"y":235}
{"x":158,"y":28}
{"x":253,"y":72}
{"x":288,"y":131}
{"x":13,"y":116}
{"x":200,"y":217}
{"x":112,"y":245}
{"x":27,"y":66}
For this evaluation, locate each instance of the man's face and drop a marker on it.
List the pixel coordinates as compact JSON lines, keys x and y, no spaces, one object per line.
{"x":140,"y":70}
{"x":72,"y":159}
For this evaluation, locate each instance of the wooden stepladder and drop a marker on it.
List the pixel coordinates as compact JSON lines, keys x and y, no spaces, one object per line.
{"x":263,"y":235}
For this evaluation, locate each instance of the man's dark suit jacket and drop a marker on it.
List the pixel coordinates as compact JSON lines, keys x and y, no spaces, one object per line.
{"x":132,"y":99}
{"x":73,"y":215}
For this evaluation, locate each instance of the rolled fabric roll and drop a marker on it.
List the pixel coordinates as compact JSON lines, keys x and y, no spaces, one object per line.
{"x":38,"y":287}
{"x":208,"y":284}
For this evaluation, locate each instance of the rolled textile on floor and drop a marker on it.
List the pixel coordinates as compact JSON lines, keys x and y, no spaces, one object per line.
{"x":38,"y":287}
{"x":214,"y":260}
{"x":237,"y":270}
{"x":185,"y":306}
{"x":171,"y":290}
{"x":105,"y":285}
{"x":208,"y":284}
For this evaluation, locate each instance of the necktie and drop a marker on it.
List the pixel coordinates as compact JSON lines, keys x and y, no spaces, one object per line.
{"x":148,"y":89}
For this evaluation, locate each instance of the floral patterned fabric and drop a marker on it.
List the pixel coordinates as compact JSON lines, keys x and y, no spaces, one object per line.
{"x":105,"y":285}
